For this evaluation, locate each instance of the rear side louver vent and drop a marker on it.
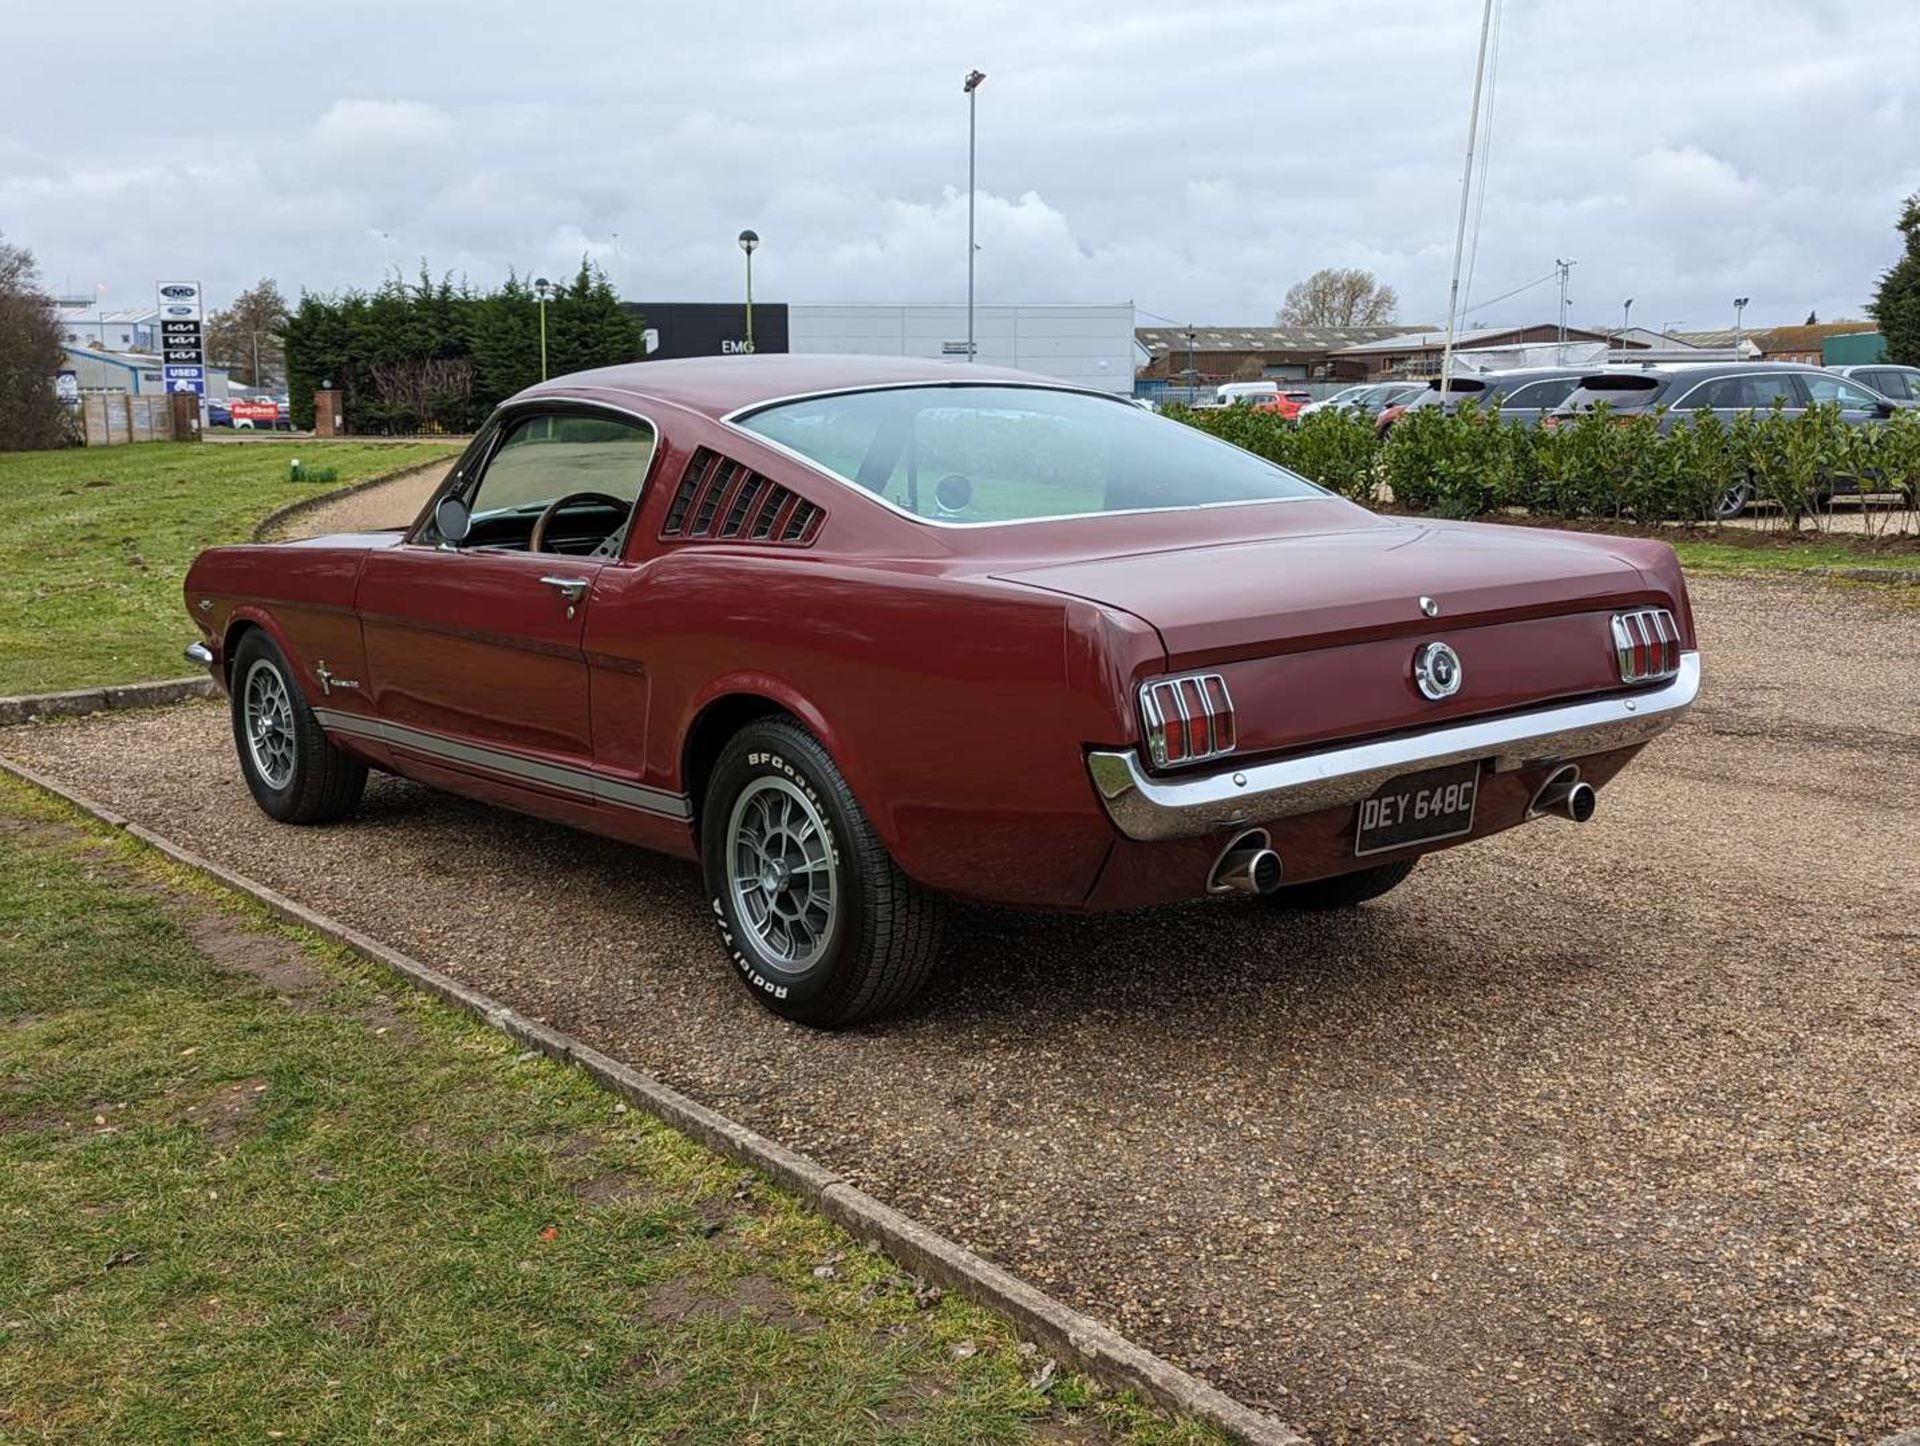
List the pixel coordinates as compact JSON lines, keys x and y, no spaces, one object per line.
{"x":719,"y":500}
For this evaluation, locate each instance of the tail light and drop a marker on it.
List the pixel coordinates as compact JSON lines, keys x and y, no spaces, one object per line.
{"x":1646,"y":643}
{"x":1188,"y":718}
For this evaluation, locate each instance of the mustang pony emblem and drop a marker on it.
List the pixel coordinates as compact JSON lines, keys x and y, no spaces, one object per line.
{"x":1436,"y":669}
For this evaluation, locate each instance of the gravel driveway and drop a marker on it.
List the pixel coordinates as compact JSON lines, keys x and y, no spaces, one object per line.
{"x":1602,"y":1134}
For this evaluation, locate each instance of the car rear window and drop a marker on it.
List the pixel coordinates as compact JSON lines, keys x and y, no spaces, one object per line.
{"x":1007,"y":453}
{"x":1624,"y":392}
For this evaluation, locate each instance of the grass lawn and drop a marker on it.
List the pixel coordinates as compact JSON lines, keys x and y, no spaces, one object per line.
{"x":95,"y":541}
{"x":1725,"y":557}
{"x":252,"y":1188}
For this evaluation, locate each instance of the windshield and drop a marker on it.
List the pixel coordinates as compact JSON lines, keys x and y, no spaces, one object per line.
{"x":986,"y":454}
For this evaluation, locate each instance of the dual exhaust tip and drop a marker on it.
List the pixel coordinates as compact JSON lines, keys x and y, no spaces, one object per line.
{"x":1564,"y":796}
{"x":1248,"y":865}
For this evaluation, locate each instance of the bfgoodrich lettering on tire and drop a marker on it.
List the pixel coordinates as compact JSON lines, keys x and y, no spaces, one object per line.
{"x":294,"y":773}
{"x":818,"y":921}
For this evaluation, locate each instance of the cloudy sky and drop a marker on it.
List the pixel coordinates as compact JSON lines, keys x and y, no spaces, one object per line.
{"x":1194,"y":159}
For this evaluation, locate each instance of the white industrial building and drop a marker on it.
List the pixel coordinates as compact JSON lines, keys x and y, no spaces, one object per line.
{"x":1089,"y":346}
{"x":136,"y":373}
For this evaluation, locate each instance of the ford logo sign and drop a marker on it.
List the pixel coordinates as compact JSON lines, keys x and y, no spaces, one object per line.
{"x":178,"y":292}
{"x":179,"y":311}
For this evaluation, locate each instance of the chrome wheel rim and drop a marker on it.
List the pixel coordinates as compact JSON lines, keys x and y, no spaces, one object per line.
{"x":781,"y":873}
{"x":266,"y":717}
{"x":1732,"y":500}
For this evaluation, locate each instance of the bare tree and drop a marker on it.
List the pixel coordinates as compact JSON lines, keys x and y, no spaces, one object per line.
{"x":246,"y":337}
{"x":31,"y":353}
{"x":1338,"y":296}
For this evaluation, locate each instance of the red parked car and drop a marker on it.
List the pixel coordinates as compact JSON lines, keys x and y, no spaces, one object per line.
{"x":1285,"y":404}
{"x":864,"y":634}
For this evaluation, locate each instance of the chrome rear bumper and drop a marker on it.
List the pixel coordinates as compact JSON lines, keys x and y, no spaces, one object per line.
{"x":1147,"y":807}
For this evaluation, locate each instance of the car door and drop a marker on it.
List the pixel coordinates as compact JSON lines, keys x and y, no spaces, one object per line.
{"x":473,"y":644}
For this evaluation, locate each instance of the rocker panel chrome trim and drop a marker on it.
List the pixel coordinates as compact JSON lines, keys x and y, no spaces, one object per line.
{"x":1148,"y":808}
{"x":593,"y":786}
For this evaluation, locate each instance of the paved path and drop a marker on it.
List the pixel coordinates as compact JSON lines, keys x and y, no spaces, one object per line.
{"x":391,"y":504}
{"x":1603,"y":1134}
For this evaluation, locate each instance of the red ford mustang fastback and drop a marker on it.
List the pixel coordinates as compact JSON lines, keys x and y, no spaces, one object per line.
{"x":861,"y":634}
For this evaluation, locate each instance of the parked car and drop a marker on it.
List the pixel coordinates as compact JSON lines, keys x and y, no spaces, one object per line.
{"x":862,"y":634}
{"x":1368,"y":398}
{"x":1525,"y":394}
{"x":1897,"y":384}
{"x":1729,"y":390}
{"x":1286,"y":404}
{"x":1229,"y":394}
{"x":218,"y":415}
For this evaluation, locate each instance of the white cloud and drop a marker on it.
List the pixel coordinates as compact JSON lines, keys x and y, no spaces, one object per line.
{"x":349,"y":126}
{"x":1196,"y":161}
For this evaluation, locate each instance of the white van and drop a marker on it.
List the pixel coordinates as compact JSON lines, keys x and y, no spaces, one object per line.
{"x":1230,"y":392}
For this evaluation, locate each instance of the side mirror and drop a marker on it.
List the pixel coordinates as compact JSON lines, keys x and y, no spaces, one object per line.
{"x":452,"y":520}
{"x":951,"y":495}
{"x":1884,"y":409}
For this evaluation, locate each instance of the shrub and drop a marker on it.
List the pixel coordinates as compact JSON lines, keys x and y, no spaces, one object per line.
{"x":1338,"y":449}
{"x":1794,"y":459}
{"x":1458,"y":466}
{"x":1593,"y":465}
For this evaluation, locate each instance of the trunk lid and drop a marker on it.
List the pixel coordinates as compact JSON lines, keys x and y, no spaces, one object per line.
{"x":1315,"y":632}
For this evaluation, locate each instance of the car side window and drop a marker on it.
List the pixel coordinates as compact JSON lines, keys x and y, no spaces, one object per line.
{"x":1825,"y":388}
{"x":549,"y":456}
{"x":1722,"y":393}
{"x":1531,"y":395}
{"x":1761,"y":392}
{"x":1552,"y":392}
{"x":1901,"y":386}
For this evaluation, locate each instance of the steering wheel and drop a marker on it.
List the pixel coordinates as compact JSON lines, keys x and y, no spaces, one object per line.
{"x":560,"y":504}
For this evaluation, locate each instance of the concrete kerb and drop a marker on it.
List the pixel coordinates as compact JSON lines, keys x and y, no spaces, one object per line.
{"x":1076,"y":1339}
{"x":82,"y":701}
{"x":1898,"y":576}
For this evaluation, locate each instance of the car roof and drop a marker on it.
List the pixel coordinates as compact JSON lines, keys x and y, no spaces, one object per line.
{"x":716,"y":386}
{"x":1679,"y":371}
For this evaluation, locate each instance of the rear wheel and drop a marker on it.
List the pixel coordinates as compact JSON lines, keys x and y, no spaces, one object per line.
{"x":1733,"y":501}
{"x":1342,"y":890}
{"x":294,"y":773}
{"x":820,"y":923}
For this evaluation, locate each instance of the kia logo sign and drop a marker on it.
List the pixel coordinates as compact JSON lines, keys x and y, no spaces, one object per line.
{"x":178,"y":292}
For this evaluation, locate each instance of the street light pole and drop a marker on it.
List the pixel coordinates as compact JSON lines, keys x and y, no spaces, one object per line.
{"x":749,"y":242}
{"x":541,"y":287}
{"x":1193,"y":376}
{"x":972,"y":88}
{"x":1739,"y":306}
{"x":1626,"y":310}
{"x":1560,"y":344}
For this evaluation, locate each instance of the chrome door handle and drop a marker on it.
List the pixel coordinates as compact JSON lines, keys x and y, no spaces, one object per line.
{"x":570,"y":588}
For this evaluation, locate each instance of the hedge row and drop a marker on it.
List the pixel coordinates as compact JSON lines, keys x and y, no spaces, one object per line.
{"x":1596,"y":465}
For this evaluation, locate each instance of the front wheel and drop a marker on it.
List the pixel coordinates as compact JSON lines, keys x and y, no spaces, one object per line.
{"x":294,"y":773}
{"x":820,"y":923}
{"x":1342,"y":890}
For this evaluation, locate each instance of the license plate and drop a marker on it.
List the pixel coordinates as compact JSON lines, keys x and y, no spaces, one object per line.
{"x":1419,"y":808}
